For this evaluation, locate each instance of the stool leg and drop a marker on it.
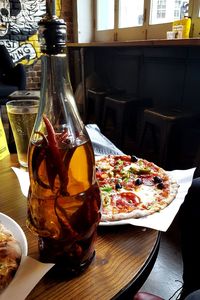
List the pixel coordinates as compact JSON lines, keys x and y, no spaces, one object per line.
{"x":90,"y":110}
{"x":142,"y":137}
{"x":139,"y":124}
{"x":120,"y":130}
{"x":154,"y":137}
{"x":104,"y":117}
{"x":149,"y":127}
{"x":164,"y":144}
{"x":98,"y":109}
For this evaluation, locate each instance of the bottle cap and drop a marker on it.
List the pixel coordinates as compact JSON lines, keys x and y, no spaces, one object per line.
{"x":52,"y":35}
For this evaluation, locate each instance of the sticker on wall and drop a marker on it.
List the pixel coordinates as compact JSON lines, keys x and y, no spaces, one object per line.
{"x":18,"y":27}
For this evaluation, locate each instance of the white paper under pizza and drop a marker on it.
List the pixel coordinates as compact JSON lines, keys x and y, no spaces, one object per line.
{"x":159,"y":221}
{"x":162,"y":220}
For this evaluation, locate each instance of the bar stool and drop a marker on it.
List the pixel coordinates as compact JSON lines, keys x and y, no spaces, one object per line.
{"x":96,"y":101}
{"x":162,"y":123}
{"x":123,"y":109}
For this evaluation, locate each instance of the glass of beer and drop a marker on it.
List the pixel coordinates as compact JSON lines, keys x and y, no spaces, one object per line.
{"x":22,"y":114}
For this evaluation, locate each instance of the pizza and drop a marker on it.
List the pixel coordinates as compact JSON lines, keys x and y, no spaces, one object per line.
{"x":132,"y":187}
{"x":10,"y":256}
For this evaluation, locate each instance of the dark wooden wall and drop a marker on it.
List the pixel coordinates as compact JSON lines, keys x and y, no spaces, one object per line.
{"x":169,"y":75}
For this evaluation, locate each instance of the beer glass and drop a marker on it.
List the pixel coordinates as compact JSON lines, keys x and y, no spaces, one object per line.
{"x":22,"y":114}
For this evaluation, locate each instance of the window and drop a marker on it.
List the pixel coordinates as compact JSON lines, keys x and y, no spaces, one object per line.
{"x":141,"y":19}
{"x":177,"y":14}
{"x":130,"y":13}
{"x":161,"y":9}
{"x":118,"y":19}
{"x":165,"y":11}
{"x":105,"y":16}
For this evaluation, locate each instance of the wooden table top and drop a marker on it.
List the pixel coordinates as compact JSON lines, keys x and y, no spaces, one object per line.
{"x":122,"y":252}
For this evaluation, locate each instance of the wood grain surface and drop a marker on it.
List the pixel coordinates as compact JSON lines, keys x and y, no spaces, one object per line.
{"x":122,"y":252}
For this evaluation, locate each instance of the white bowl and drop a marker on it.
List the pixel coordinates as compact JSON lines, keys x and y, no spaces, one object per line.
{"x":16,"y":230}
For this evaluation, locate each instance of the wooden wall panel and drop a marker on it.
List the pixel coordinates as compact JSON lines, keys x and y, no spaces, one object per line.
{"x":168,"y":75}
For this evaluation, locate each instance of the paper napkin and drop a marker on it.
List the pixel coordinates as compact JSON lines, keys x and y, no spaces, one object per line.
{"x":28,"y":275}
{"x":159,"y":221}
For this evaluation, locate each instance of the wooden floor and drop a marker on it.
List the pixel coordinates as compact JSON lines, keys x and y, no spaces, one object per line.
{"x":166,"y":277}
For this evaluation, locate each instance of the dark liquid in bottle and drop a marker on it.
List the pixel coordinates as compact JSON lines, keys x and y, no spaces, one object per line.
{"x":63,"y":207}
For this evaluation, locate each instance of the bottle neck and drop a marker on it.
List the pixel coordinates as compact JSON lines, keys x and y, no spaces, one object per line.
{"x":57,"y":99}
{"x":55,"y":80}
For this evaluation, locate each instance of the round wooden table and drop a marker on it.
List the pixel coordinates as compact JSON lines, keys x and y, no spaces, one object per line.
{"x":124,"y":256}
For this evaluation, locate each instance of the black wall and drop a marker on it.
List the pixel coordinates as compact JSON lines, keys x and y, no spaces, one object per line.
{"x":169,"y":75}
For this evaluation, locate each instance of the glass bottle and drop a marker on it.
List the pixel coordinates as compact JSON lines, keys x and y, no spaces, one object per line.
{"x":64,"y":197}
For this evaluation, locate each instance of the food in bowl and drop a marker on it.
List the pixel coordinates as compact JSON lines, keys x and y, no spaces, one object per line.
{"x":10,"y":256}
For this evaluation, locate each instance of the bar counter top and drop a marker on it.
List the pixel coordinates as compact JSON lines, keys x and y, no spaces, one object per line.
{"x":135,"y":43}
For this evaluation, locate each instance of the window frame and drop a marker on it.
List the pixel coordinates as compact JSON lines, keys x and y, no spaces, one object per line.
{"x":146,"y":31}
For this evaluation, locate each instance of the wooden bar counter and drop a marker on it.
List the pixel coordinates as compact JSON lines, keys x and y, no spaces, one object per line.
{"x":124,"y":256}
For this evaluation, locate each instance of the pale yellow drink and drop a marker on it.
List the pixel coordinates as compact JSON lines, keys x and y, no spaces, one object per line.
{"x":22,"y":114}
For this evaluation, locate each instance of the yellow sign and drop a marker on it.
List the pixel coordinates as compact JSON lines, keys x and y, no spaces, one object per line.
{"x":182,"y":28}
{"x":3,"y":143}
